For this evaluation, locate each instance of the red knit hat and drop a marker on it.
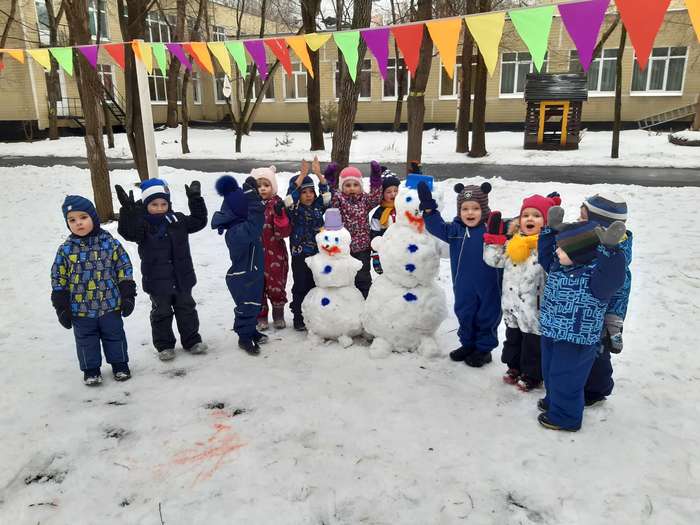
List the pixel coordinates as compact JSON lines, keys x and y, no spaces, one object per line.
{"x":541,"y":204}
{"x":350,"y":173}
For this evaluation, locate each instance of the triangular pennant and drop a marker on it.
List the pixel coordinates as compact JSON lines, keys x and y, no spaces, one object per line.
{"x":445,"y":35}
{"x":218,"y":49}
{"x":533,"y":26}
{"x":116,"y":51}
{"x":177,"y":51}
{"x":90,"y":54}
{"x":298,"y":44}
{"x":279,"y":47}
{"x":256,"y":50}
{"x":17,"y":54}
{"x":237,"y":51}
{"x":378,"y":43}
{"x":158,"y":49}
{"x":409,"y":39}
{"x":487,"y":31}
{"x":2,"y":64}
{"x":200,"y":52}
{"x":315,"y":41}
{"x":42,"y":57}
{"x":142,"y":52}
{"x":347,"y":42}
{"x":64,"y":57}
{"x":583,"y":21}
{"x":642,"y":18}
{"x":694,"y":13}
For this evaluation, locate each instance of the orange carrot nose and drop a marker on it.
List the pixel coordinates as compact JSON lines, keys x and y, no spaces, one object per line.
{"x":416,"y":222}
{"x":331,"y":250}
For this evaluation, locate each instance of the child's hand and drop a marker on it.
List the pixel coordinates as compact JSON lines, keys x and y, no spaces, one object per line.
{"x":250,"y":188}
{"x":330,"y":174}
{"x":304,"y":170}
{"x":60,"y":299}
{"x":127,"y":292}
{"x":316,"y":167}
{"x":555,"y":218}
{"x":193,"y":190}
{"x":495,"y":229}
{"x":427,"y":203}
{"x":612,"y":235}
{"x":279,"y":208}
{"x":375,"y":168}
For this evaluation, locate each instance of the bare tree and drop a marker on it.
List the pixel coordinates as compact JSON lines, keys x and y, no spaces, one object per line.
{"x":195,"y":36}
{"x":465,"y":86}
{"x":399,"y":68}
{"x":53,"y":84}
{"x":615,"y":151}
{"x":416,"y":96}
{"x":478,"y":146}
{"x":309,"y":11}
{"x":178,"y":35}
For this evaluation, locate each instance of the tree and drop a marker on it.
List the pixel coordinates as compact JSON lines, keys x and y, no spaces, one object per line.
{"x":195,"y":35}
{"x":416,"y":96}
{"x":478,"y":147}
{"x":53,"y":84}
{"x":171,"y":88}
{"x":309,"y":11}
{"x":465,"y":86}
{"x":400,"y":70}
{"x":615,"y":151}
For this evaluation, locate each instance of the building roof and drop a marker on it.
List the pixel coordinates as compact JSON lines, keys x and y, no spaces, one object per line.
{"x":543,"y":86}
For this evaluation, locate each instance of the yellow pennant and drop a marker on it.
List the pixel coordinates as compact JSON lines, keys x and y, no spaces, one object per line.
{"x":487,"y":31}
{"x":218,"y":49}
{"x":315,"y":40}
{"x":41,"y":56}
{"x":298,"y":44}
{"x":142,"y":52}
{"x":445,"y":35}
{"x":694,"y":13}
{"x":17,"y":54}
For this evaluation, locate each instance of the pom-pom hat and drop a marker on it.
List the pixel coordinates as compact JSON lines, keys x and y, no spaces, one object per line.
{"x":152,"y":189}
{"x":606,"y":208}
{"x":269,"y":174}
{"x":541,"y":204}
{"x":478,"y":194}
{"x":234,"y":198}
{"x":579,"y":241}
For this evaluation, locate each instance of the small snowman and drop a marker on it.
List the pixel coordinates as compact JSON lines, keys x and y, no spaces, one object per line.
{"x":332,"y":310}
{"x":405,"y":305}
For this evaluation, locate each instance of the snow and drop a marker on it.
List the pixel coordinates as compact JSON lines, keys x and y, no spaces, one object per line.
{"x":687,"y":135}
{"x":320,"y":434}
{"x":638,"y":148}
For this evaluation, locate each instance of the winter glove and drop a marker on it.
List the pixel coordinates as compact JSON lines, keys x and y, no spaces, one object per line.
{"x":611,"y":236}
{"x":60,"y":299}
{"x":331,"y":174}
{"x":127,"y":292}
{"x":612,"y":333}
{"x":426,"y":197}
{"x":495,"y":229}
{"x":376,"y":264}
{"x":415,"y":167}
{"x":193,"y":190}
{"x":279,"y":208}
{"x":131,"y":215}
{"x":555,"y":218}
{"x":555,"y":197}
{"x":250,"y":188}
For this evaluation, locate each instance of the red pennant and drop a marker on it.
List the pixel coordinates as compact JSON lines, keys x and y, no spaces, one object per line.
{"x":409,"y":39}
{"x":279,"y":47}
{"x":2,"y":64}
{"x":643,"y":19}
{"x":116,"y":51}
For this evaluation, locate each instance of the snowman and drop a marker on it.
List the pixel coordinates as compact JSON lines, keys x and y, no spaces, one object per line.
{"x":405,"y":305}
{"x":332,"y":310}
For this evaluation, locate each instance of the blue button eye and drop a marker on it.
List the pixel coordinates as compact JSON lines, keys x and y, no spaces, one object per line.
{"x":409,"y":199}
{"x":326,"y":238}
{"x":337,"y":240}
{"x":325,"y":301}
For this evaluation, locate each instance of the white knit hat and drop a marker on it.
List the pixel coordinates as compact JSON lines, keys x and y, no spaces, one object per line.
{"x":269,"y":174}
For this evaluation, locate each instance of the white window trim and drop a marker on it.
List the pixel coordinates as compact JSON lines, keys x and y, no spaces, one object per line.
{"x":359,"y":99}
{"x":597,"y":93}
{"x":160,"y":102}
{"x":103,"y":38}
{"x":396,"y":87}
{"x":545,"y":69}
{"x":217,"y":101}
{"x":199,"y":81}
{"x":660,"y":93}
{"x":455,"y":84}
{"x":295,"y":75}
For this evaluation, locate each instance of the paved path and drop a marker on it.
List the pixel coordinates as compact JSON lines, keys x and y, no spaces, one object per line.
{"x":573,"y":174}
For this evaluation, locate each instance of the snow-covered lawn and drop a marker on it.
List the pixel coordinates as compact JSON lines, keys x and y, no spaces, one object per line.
{"x":638,"y":148}
{"x":303,"y":435}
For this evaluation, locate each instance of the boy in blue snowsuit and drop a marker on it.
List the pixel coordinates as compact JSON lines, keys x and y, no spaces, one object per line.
{"x":582,"y":278}
{"x":476,"y":285}
{"x":92,"y":288}
{"x":242,"y":217}
{"x":603,"y":209}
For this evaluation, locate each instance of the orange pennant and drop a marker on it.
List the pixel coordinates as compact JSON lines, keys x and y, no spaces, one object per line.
{"x":200,"y":53}
{"x":298,"y":44}
{"x":445,"y":35}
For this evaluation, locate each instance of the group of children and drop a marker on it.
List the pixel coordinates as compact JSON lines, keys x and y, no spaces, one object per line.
{"x":561,"y":288}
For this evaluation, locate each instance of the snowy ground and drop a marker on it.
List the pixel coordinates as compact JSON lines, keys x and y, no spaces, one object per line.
{"x":638,"y":148}
{"x":306,"y":435}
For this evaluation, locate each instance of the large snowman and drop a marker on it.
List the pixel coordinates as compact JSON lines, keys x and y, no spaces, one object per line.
{"x":405,"y":305}
{"x":332,"y":310}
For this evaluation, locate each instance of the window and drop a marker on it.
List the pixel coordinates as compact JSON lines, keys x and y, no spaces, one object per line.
{"x":98,"y":16}
{"x":157,"y":28}
{"x":218,"y":33}
{"x":295,"y":84}
{"x":269,"y":95}
{"x":42,"y":17}
{"x":449,"y":87}
{"x":106,"y":77}
{"x":390,"y":89}
{"x":665,"y":72}
{"x":602,"y":74}
{"x":269,"y":92}
{"x":219,"y":88}
{"x":196,"y":84}
{"x":157,"y":86}
{"x":364,"y":78}
{"x":514,"y":68}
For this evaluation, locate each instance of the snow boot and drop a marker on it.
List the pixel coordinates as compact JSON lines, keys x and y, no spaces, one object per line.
{"x":546,"y":423}
{"x":527,"y":384}
{"x":299,"y":325}
{"x":478,"y":359}
{"x":261,"y":339}
{"x":198,"y":348}
{"x":121,"y":372}
{"x":250,"y":346}
{"x":594,"y":401}
{"x":511,"y":376}
{"x":278,"y":317}
{"x":92,"y":377}
{"x":461,"y":353}
{"x":542,"y":405}
{"x":166,"y":355}
{"x":263,"y":324}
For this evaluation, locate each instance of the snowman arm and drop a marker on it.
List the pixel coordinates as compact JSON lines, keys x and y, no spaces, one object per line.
{"x":311,"y":262}
{"x":436,"y":225}
{"x":377,"y":243}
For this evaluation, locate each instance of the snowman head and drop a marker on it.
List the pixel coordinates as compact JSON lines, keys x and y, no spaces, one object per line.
{"x":407,"y":203}
{"x":334,"y":239}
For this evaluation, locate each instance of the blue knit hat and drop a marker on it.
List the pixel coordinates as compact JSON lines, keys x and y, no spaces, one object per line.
{"x":234,"y":198}
{"x":154,"y":189}
{"x":579,"y":241}
{"x":78,"y":203}
{"x":604,"y":209}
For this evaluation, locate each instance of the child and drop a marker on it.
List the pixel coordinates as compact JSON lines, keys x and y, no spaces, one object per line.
{"x":166,"y":264}
{"x":579,"y":287}
{"x":523,"y":284}
{"x":242,"y":216}
{"x":385,"y":214}
{"x":476,"y":286}
{"x":354,"y":205}
{"x":305,"y":212}
{"x":603,"y":210}
{"x":92,"y":289}
{"x":275,"y":229}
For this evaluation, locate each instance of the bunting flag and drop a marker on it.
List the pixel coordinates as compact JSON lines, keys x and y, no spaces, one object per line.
{"x":179,"y":53}
{"x":158,"y":49}
{"x":116,"y":51}
{"x":298,"y":44}
{"x":64,"y":57}
{"x":409,"y":39}
{"x":445,"y":35}
{"x":42,"y":57}
{"x":142,"y":52}
{"x":218,"y":49}
{"x":643,"y":19}
{"x":583,"y":22}
{"x":200,"y":52}
{"x":694,"y":13}
{"x":256,"y":50}
{"x":533,"y":26}
{"x":487,"y":31}
{"x":17,"y":54}
{"x":279,"y":47}
{"x":316,"y":41}
{"x":90,"y":54}
{"x":347,"y":43}
{"x":377,"y":41}
{"x":237,"y":51}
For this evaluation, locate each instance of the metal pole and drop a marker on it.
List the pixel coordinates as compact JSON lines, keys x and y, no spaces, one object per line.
{"x":149,"y":136}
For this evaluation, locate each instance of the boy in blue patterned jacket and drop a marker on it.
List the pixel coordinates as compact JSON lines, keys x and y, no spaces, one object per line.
{"x":92,"y":288}
{"x":582,"y":278}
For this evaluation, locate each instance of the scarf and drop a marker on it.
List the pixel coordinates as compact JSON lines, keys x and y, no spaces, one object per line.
{"x":520,"y":247}
{"x":161,"y":221}
{"x":386,"y":214}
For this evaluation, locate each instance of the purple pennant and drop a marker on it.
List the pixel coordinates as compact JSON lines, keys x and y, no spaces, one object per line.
{"x":583,"y":21}
{"x":256,"y":49}
{"x":90,"y":53}
{"x":378,"y":42}
{"x":177,"y":51}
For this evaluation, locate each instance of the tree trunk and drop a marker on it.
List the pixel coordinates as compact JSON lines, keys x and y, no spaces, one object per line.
{"x":478,"y":148}
{"x":399,"y":78}
{"x":53,"y":81}
{"x":309,"y":10}
{"x":185,"y":110}
{"x":108,"y":125}
{"x":617,"y":123}
{"x":416,"y":96}
{"x":174,"y":67}
{"x":696,"y":120}
{"x":465,"y":87}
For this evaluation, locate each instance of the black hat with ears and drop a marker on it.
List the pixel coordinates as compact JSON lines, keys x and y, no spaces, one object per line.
{"x":478,"y":194}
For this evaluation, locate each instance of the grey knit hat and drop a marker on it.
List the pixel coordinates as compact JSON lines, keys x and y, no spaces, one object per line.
{"x":478,"y":194}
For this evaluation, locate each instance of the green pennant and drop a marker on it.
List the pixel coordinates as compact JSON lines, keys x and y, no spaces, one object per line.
{"x":237,"y":51}
{"x":347,"y":42}
{"x":533,"y":26}
{"x":158,"y":49}
{"x":64,"y":57}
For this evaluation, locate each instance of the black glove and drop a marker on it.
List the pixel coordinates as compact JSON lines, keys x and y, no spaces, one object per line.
{"x":555,"y":218}
{"x":60,"y":299}
{"x":426,"y":197}
{"x":193,"y":190}
{"x":279,"y":208}
{"x":250,"y":188}
{"x":127,"y":291}
{"x":612,"y":235}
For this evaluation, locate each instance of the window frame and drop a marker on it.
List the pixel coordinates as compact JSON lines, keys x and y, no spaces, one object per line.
{"x":156,"y":77}
{"x":196,"y":78}
{"x":363,"y":69}
{"x":94,"y":12}
{"x":295,"y":76}
{"x":216,"y":35}
{"x":106,"y":70}
{"x":516,"y":93}
{"x":667,"y":59}
{"x":395,"y":70}
{"x":601,"y":60}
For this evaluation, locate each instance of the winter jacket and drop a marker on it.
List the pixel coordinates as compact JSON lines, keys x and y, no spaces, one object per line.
{"x":354,"y":210}
{"x":164,"y":248}
{"x":275,"y":229}
{"x":306,"y":221}
{"x":376,"y":229}
{"x":618,"y":303}
{"x":523,"y":286}
{"x":576,"y":297}
{"x":90,"y":269}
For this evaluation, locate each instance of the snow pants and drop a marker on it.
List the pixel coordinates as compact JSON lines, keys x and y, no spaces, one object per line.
{"x":246,"y":290}
{"x":600,"y":382}
{"x":91,"y":331}
{"x":275,"y":287}
{"x":565,"y":368}
{"x":303,"y":283}
{"x":521,"y":351}
{"x":479,"y":316}
{"x":363,"y":279}
{"x":181,"y":306}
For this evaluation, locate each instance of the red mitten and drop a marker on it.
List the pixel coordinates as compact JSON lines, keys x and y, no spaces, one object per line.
{"x":495,"y":229}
